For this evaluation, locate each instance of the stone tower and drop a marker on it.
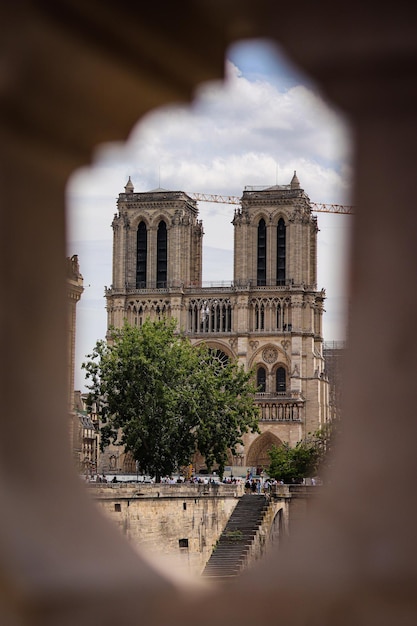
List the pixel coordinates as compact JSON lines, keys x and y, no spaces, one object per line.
{"x":269,"y":318}
{"x":157,"y":250}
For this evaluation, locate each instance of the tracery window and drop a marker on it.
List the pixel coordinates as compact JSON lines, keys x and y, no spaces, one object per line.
{"x":261,"y":264}
{"x":138,"y":312}
{"x":161,"y":255}
{"x":271,"y":314}
{"x":219,"y":355}
{"x":141,"y":255}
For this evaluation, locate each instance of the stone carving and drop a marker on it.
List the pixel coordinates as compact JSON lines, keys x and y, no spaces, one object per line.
{"x":270,"y":355}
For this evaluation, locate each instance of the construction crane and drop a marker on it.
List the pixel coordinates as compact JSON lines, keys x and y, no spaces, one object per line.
{"x":315,"y":206}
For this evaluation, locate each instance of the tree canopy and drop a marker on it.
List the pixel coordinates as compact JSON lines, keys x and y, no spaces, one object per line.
{"x":308,"y":457}
{"x":291,"y":465}
{"x":164,"y":399}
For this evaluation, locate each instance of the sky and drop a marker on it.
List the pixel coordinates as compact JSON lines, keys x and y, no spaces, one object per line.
{"x":262,"y":123}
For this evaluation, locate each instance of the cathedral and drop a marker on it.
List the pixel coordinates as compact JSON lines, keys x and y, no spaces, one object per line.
{"x":269,"y":318}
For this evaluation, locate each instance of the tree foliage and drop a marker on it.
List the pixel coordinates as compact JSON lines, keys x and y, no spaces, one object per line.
{"x":168,"y":398}
{"x":309,"y":456}
{"x":291,"y":465}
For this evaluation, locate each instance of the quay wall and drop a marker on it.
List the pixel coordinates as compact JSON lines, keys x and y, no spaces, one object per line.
{"x":177,"y":525}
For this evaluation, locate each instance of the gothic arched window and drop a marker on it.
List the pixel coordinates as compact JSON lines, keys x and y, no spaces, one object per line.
{"x":141,"y":254}
{"x":281,"y":380}
{"x":281,"y":251}
{"x":161,"y":255}
{"x":261,"y":265}
{"x":261,"y":379}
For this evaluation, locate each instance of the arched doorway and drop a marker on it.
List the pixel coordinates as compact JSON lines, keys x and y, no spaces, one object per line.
{"x":258,"y":452}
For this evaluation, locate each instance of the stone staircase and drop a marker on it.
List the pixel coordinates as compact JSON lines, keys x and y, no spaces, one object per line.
{"x":231,"y":552}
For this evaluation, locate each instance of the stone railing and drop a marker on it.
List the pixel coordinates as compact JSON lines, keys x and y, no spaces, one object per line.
{"x":280,"y":411}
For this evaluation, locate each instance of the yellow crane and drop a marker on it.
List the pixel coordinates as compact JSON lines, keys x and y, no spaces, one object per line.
{"x":315,"y":206}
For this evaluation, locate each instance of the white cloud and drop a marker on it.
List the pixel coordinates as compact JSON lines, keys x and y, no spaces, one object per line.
{"x":255,"y":129}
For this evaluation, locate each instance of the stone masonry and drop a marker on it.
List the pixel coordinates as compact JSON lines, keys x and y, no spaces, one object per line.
{"x":269,"y":318}
{"x":176,"y":524}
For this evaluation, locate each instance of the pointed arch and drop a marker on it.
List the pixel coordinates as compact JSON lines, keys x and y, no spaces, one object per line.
{"x":261,"y":253}
{"x":281,"y":251}
{"x":141,"y":255}
{"x":259,"y":315}
{"x":281,"y":379}
{"x":271,"y":353}
{"x":161,"y":255}
{"x":218,"y":347}
{"x":258,"y":452}
{"x":261,"y":379}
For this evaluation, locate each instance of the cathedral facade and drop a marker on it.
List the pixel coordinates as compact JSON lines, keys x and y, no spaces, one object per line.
{"x":269,"y":318}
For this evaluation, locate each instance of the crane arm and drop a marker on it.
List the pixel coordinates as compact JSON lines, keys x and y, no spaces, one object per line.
{"x":315,"y":206}
{"x":209,"y":197}
{"x":332,"y":208}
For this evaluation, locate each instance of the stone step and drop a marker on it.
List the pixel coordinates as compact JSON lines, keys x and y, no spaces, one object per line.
{"x":229,"y":555}
{"x":221,"y":558}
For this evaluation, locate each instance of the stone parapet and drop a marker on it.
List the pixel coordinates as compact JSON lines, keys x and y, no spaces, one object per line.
{"x":108,"y":491}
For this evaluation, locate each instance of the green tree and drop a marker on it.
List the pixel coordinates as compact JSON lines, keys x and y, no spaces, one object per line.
{"x":311,"y":456}
{"x":224,"y":393}
{"x":168,"y":398}
{"x":291,"y":465}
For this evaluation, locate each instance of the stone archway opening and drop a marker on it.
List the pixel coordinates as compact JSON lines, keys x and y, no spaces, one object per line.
{"x":258,"y":452}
